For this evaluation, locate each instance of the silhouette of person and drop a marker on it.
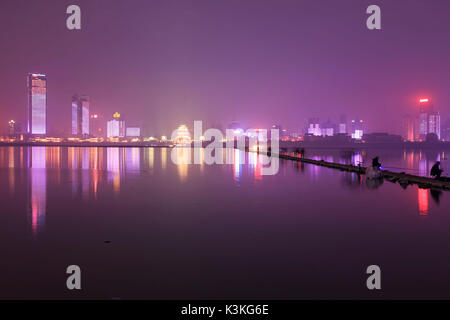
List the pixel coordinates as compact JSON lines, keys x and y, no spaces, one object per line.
{"x":435,"y":170}
{"x":375,"y":163}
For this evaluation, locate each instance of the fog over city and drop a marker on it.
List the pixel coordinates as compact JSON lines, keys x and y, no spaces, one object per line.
{"x":163,"y":63}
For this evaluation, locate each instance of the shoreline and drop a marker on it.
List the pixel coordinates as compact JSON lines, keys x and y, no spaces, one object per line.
{"x":283,"y":145}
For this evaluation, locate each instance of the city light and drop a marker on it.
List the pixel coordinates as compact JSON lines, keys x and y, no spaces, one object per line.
{"x":182,"y":135}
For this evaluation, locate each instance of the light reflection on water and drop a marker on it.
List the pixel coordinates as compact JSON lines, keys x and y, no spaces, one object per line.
{"x":415,"y":162}
{"x":87,"y":164}
{"x":86,"y":167}
{"x":131,"y":185}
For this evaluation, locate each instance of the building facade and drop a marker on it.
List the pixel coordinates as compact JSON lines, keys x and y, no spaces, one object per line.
{"x":37,"y":104}
{"x":408,"y":128}
{"x":343,"y":124}
{"x":429,"y":120}
{"x":357,"y":130}
{"x":115,"y":127}
{"x":80,"y":116}
{"x":133,"y":132}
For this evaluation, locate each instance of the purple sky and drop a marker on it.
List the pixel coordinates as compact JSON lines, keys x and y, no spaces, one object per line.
{"x":163,"y":62}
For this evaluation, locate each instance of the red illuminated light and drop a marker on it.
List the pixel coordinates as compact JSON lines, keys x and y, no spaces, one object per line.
{"x":424,"y":100}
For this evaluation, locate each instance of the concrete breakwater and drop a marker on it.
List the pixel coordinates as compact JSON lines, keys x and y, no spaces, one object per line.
{"x":402,"y":178}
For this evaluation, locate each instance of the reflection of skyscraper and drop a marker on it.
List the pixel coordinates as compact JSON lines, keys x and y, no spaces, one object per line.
{"x":37,"y":104}
{"x":133,"y":159}
{"x":114,"y":166}
{"x":38,"y":188}
{"x":80,"y":115}
{"x":422,"y":197}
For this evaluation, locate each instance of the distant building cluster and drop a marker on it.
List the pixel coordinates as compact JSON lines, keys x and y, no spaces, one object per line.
{"x":330,"y":129}
{"x":424,"y":125}
{"x":84,"y":123}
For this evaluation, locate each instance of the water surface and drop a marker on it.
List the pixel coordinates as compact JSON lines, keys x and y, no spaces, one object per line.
{"x":140,"y":226}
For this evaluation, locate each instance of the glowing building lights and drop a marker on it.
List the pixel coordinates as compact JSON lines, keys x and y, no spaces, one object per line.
{"x":429,"y":119}
{"x":182,"y":135}
{"x":80,"y":115}
{"x":37,"y":104}
{"x":115,"y":127}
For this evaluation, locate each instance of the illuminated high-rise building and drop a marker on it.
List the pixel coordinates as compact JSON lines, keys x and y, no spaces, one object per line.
{"x":425,"y":108}
{"x":328,"y":128}
{"x":11,"y":128}
{"x":80,"y":115}
{"x":343,"y":124}
{"x":115,"y":127}
{"x":408,"y":127}
{"x":446,"y":130}
{"x":96,"y":126}
{"x":357,"y":129}
{"x":429,"y":119}
{"x":434,"y":124}
{"x":314,"y":127}
{"x":37,"y":104}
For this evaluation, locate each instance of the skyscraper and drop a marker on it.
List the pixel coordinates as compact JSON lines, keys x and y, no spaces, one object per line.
{"x":37,"y":104}
{"x":357,"y":129}
{"x":434,"y":124}
{"x":96,"y":126}
{"x":80,"y":115}
{"x":425,"y":108}
{"x":446,"y":130}
{"x":429,"y":119}
{"x":314,"y":127}
{"x":408,"y":128}
{"x":343,"y":124}
{"x":115,"y":127}
{"x":328,"y":128}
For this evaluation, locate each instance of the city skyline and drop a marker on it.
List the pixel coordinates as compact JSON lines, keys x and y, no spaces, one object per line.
{"x":415,"y":126}
{"x":199,"y":153}
{"x":181,"y":65}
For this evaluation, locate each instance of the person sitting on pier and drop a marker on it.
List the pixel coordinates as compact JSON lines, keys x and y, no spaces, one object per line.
{"x":376,"y":164}
{"x":435,"y":170}
{"x":373,"y":172}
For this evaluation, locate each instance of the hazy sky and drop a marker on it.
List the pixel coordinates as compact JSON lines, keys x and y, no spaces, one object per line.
{"x":163,"y":62}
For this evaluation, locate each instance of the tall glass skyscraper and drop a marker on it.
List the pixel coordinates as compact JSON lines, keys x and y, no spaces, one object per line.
{"x":37,"y":104}
{"x":429,"y":120}
{"x":80,"y":115}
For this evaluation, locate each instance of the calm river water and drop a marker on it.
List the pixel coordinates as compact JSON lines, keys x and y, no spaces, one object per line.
{"x":140,"y":226}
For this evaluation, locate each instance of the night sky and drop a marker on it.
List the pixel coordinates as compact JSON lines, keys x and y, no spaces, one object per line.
{"x":163,"y":62}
